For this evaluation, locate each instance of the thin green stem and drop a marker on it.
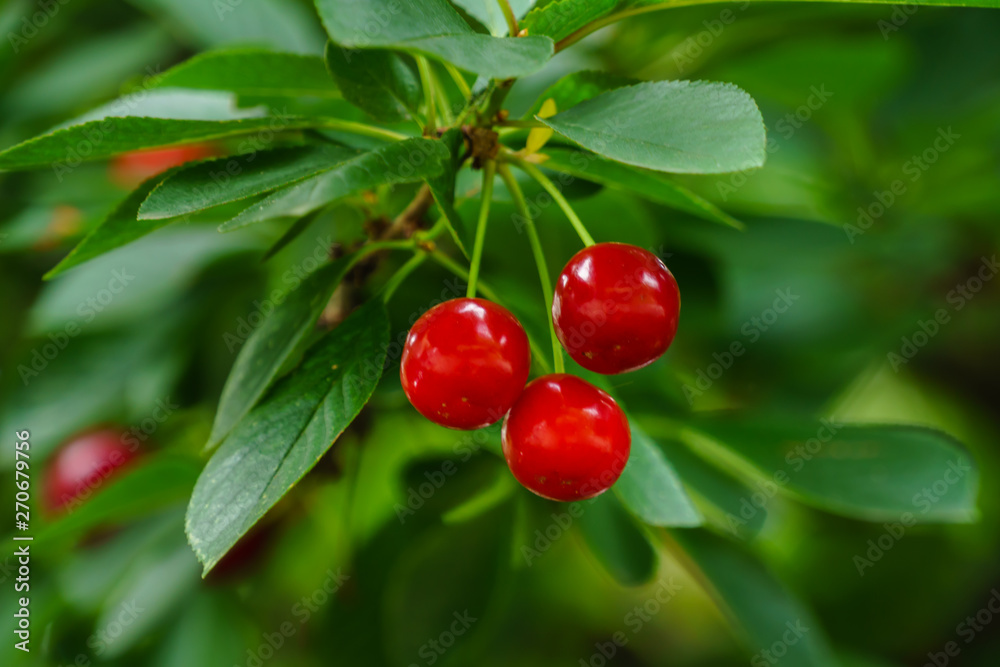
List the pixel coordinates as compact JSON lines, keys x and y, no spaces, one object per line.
{"x":444,"y":104}
{"x":362,"y":129}
{"x":551,"y":188}
{"x":427,"y":82}
{"x":508,"y":14}
{"x":489,"y":170}
{"x":459,"y":80}
{"x":451,"y":265}
{"x":401,"y":274}
{"x":536,"y":250}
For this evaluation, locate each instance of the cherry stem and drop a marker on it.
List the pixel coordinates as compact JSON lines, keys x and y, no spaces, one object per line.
{"x":402,"y":273}
{"x":489,"y":169}
{"x":450,"y":264}
{"x":536,"y":250}
{"x":429,"y":97}
{"x":362,"y":128}
{"x":551,"y":188}
{"x":459,"y":80}
{"x":508,"y":14}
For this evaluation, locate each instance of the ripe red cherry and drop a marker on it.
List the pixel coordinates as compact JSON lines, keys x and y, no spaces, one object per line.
{"x":129,"y":170}
{"x":83,"y":465}
{"x":615,"y":308}
{"x":565,"y":439}
{"x":465,"y":362}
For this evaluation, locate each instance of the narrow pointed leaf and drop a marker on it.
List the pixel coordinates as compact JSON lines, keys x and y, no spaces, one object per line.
{"x":650,"y":489}
{"x":616,"y":541}
{"x":238,"y":177}
{"x":255,"y":72}
{"x":402,"y":162}
{"x":279,"y":441}
{"x":384,"y":84}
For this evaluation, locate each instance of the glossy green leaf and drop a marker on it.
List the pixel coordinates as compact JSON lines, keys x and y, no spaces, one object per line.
{"x":677,"y":126}
{"x":119,"y":228}
{"x":281,"y":439}
{"x":434,"y":28}
{"x":561,"y":18}
{"x":651,"y":185}
{"x":287,"y":26}
{"x":238,"y":177}
{"x":384,"y":84}
{"x":764,"y":613}
{"x":875,"y":473}
{"x":650,"y":489}
{"x":272,"y":346}
{"x":616,"y":541}
{"x":579,"y":86}
{"x":443,"y":186}
{"x":724,"y":501}
{"x":65,"y":148}
{"x":402,"y":162}
{"x":247,"y":71}
{"x":150,"y":485}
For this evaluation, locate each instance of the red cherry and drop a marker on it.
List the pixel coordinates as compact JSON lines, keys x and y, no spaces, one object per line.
{"x":82,"y":466}
{"x":615,"y":308}
{"x":465,"y":362}
{"x":565,"y":439}
{"x":129,"y":170}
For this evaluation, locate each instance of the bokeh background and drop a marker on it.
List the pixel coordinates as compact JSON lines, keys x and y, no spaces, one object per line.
{"x":855,"y":98}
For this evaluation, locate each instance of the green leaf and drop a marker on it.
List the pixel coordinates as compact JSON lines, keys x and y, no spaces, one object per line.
{"x":443,"y":186}
{"x":238,"y":177}
{"x":616,"y":541}
{"x":281,"y":439}
{"x":650,"y":488}
{"x":677,"y":126}
{"x":273,"y":345}
{"x":724,"y":501}
{"x":292,"y":233}
{"x":121,"y":227}
{"x":384,"y":84}
{"x":579,"y":86}
{"x":65,"y":148}
{"x":874,"y":473}
{"x":651,"y":185}
{"x":402,"y":162}
{"x":434,"y":28}
{"x":762,"y":610}
{"x":286,"y":26}
{"x":562,"y":18}
{"x":152,"y":484}
{"x":247,"y":71}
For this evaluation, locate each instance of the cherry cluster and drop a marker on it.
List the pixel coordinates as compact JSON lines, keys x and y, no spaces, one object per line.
{"x":466,"y":361}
